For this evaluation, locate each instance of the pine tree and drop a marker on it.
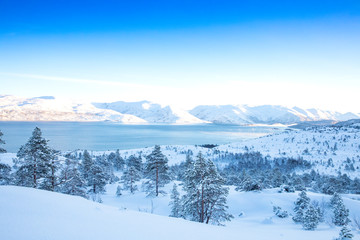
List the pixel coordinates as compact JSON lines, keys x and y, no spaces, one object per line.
{"x":117,"y":160}
{"x":72,"y":182}
{"x":129,"y":178}
{"x":205,"y":198}
{"x":156,"y":170}
{"x":341,"y":213}
{"x":5,"y":174}
{"x":108,"y":168}
{"x":311,"y":218}
{"x":135,"y":162}
{"x":86,"y":165}
{"x":96,"y":180}
{"x":301,"y":204}
{"x":175,"y":203}
{"x":345,"y":234}
{"x":2,"y":150}
{"x":35,"y":161}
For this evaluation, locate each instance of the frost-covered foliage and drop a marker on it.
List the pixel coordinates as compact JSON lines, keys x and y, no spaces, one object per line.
{"x":345,"y":234}
{"x":2,"y":150}
{"x":311,"y":218}
{"x":205,"y":196}
{"x":301,"y":205}
{"x":97,"y":180}
{"x":36,"y":165}
{"x":129,"y":178}
{"x":175,"y":203}
{"x":118,"y":191}
{"x":117,"y":161}
{"x":5,"y":177}
{"x":72,"y":181}
{"x":279,"y":212}
{"x":341,"y":213}
{"x":156,"y":171}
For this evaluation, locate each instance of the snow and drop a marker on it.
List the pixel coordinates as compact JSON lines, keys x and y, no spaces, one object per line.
{"x":36,"y":214}
{"x":268,"y":114}
{"x":49,"y":108}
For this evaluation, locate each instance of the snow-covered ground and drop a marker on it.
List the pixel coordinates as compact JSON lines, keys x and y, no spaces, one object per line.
{"x":36,"y":214}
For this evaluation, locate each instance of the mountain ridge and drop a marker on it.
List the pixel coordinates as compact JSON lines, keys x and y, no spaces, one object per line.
{"x":48,"y":108}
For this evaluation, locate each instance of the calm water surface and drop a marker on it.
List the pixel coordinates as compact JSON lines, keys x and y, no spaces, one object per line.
{"x":101,"y":136}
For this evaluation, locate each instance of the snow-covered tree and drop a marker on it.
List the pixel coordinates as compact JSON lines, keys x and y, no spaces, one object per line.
{"x":86,"y":165}
{"x":35,"y":161}
{"x":2,"y":150}
{"x":341,"y":213}
{"x":72,"y":182}
{"x":4,"y":174}
{"x":96,"y":180}
{"x":117,"y":161}
{"x":301,"y":204}
{"x":107,"y":166}
{"x":345,"y":234}
{"x":136,"y":162}
{"x":311,"y":218}
{"x":205,"y":198}
{"x":118,"y":191}
{"x":130,"y":177}
{"x":175,"y":203}
{"x":156,"y":171}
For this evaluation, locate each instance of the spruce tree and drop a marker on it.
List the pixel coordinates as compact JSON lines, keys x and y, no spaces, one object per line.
{"x":175,"y":203}
{"x":2,"y":150}
{"x":156,"y":170}
{"x":205,"y":198}
{"x":301,"y":204}
{"x":129,"y":178}
{"x":311,"y":218}
{"x":341,"y":213}
{"x":345,"y":234}
{"x":35,"y":161}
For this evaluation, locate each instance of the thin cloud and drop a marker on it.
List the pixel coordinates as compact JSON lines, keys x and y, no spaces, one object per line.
{"x":75,"y":80}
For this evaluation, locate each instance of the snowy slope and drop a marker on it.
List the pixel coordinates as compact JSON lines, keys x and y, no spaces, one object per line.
{"x":151,"y":112}
{"x":266,"y":114}
{"x":36,"y":214}
{"x":51,"y":109}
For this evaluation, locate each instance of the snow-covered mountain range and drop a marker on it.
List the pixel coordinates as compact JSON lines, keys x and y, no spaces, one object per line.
{"x":14,"y":108}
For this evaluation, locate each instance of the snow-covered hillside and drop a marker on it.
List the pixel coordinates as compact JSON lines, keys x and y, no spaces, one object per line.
{"x":266,"y":114}
{"x":37,"y":214}
{"x":151,"y":112}
{"x":52,"y":109}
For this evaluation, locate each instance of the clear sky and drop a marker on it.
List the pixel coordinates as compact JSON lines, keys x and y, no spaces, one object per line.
{"x":294,"y":53}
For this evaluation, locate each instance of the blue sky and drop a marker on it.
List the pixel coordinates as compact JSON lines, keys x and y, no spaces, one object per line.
{"x":303,"y":53}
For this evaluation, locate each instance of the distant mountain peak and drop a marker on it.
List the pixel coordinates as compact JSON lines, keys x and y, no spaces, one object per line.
{"x":49,"y":108}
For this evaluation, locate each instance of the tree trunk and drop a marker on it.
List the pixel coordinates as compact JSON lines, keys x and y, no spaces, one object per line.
{"x":202,"y":204}
{"x":157,"y":180}
{"x":34,"y":173}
